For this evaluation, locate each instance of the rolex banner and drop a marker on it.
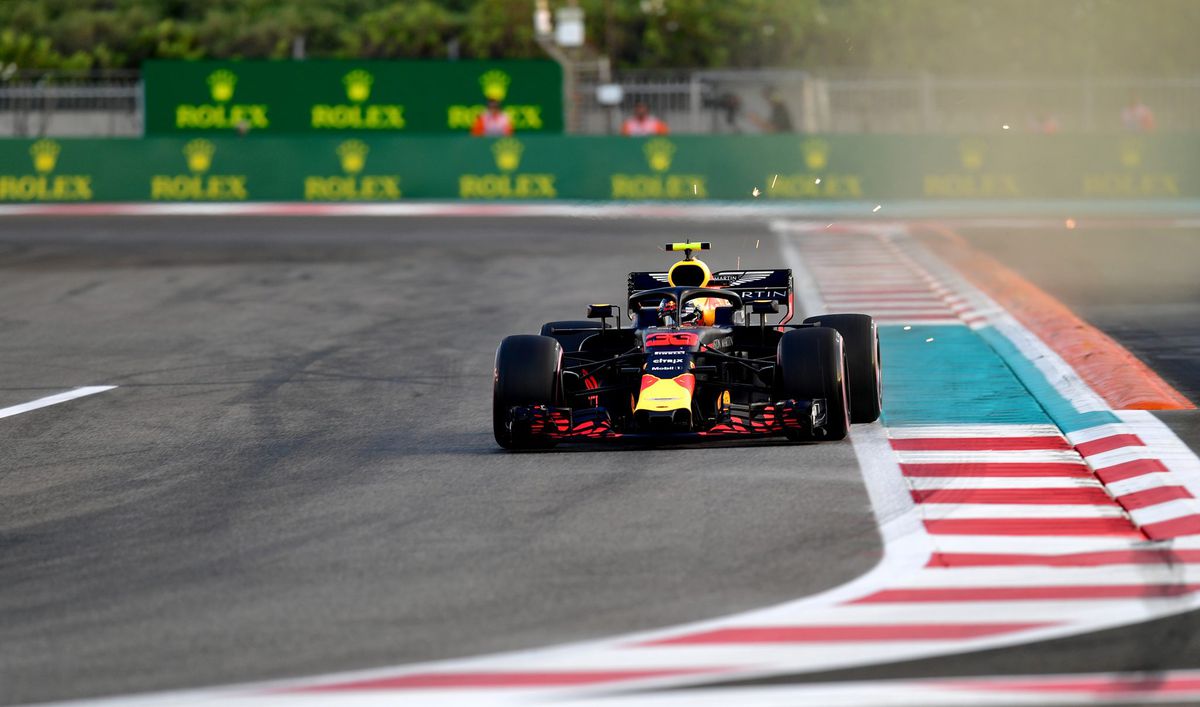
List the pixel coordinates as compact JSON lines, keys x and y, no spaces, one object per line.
{"x":334,"y":97}
{"x":869,"y":169}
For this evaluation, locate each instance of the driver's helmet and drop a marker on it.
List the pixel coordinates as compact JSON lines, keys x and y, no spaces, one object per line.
{"x":668,"y":312}
{"x":689,"y":273}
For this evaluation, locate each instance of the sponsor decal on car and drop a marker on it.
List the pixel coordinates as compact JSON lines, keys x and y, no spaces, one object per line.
{"x":672,"y":338}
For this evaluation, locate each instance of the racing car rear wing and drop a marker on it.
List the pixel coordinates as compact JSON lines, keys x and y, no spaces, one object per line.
{"x":774,"y":285}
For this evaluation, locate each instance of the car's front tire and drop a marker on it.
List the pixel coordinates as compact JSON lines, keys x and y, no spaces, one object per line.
{"x":863,"y":365}
{"x":811,"y":364}
{"x":527,"y":372}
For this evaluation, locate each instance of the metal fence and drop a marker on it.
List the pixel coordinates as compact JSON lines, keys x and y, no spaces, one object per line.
{"x":708,"y":102}
{"x":836,"y":102}
{"x":94,"y":103}
{"x":718,"y":102}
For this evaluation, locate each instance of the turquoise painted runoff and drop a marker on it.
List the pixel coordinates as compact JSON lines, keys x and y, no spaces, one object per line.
{"x":1059,"y":408}
{"x":969,"y":377}
{"x":956,"y":378}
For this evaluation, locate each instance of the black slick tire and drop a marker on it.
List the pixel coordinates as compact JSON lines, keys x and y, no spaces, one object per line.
{"x":811,"y":364}
{"x":527,"y":372}
{"x":863,"y":365}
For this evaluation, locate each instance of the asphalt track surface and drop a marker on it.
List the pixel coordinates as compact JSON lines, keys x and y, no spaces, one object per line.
{"x":296,"y":473}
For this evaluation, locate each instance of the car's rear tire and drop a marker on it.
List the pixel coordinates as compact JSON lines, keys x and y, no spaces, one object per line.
{"x":563,"y":332}
{"x":528,"y":369}
{"x":860,"y":337}
{"x":811,"y":364}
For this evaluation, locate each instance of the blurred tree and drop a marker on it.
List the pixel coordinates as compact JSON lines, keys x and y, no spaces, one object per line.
{"x":420,"y":29}
{"x":21,"y":50}
{"x":994,"y":37}
{"x":501,"y":29}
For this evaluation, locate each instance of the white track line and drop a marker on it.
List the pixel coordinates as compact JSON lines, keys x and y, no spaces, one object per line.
{"x":54,"y":399}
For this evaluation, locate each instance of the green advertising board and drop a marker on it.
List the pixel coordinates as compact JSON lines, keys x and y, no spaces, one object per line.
{"x":790,"y":168}
{"x":334,"y":97}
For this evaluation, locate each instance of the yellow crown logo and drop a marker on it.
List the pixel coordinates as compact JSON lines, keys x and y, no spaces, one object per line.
{"x":508,"y":154}
{"x":221,"y":83}
{"x":659,"y":153}
{"x":1131,"y":153}
{"x":45,"y":155}
{"x":972,"y":153}
{"x":199,"y":154}
{"x":495,"y":84}
{"x":353,"y":154}
{"x":816,"y":154}
{"x":358,"y":85}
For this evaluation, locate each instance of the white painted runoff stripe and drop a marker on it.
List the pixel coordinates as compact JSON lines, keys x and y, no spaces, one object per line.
{"x":1099,"y":432}
{"x":1172,"y":452}
{"x":1133,"y":484}
{"x":1020,"y":576}
{"x":1169,"y":687}
{"x":932,"y":483}
{"x":54,"y":399}
{"x":1167,"y":510}
{"x":876,"y":301}
{"x":1033,"y":544}
{"x":971,"y":431}
{"x":988,"y":456}
{"x":967,"y":612}
{"x":1103,"y":460}
{"x":979,"y":511}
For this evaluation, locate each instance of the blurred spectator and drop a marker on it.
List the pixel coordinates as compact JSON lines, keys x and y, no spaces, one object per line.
{"x":731,"y":105}
{"x":641,"y":123}
{"x":493,"y":122}
{"x":1044,"y":123}
{"x":1137,"y":116}
{"x":780,"y":119}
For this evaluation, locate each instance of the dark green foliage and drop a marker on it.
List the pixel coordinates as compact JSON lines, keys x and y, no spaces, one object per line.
{"x":994,"y":37}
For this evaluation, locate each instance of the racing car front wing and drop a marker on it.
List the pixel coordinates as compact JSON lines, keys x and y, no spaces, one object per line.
{"x":595,"y":423}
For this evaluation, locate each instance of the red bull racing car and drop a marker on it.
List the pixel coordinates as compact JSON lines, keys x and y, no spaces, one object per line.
{"x":689,"y":366}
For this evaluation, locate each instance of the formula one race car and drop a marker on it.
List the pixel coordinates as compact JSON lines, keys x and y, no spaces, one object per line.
{"x":690,"y":367}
